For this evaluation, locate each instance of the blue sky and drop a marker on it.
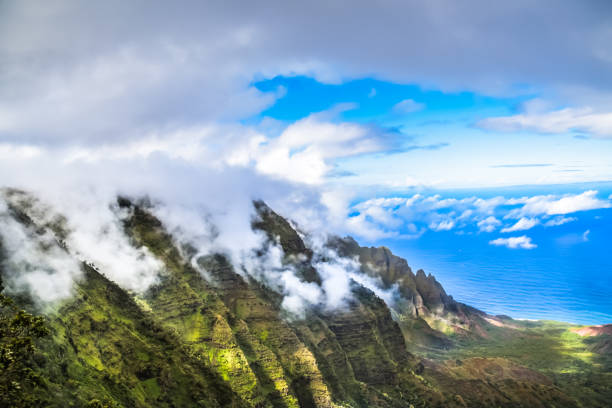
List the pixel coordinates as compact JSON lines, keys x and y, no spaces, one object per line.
{"x":435,"y":126}
{"x":374,"y":101}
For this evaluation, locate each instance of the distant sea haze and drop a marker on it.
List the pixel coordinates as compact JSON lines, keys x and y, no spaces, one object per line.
{"x":566,"y":276}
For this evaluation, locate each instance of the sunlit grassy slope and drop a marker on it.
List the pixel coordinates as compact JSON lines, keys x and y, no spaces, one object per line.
{"x":223,"y":340}
{"x":551,"y":348}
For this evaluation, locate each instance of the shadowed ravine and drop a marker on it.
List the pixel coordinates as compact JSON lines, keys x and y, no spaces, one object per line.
{"x":225,"y":340}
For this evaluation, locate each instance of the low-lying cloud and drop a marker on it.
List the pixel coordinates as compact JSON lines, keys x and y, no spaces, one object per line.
{"x":409,"y":217}
{"x":208,"y":206}
{"x":522,"y":242}
{"x":33,"y":261}
{"x":558,"y":205}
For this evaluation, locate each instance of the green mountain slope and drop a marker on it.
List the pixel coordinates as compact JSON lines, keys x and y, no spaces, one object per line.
{"x":207,"y":334}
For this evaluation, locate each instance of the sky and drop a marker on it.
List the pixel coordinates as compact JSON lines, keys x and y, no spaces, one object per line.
{"x":361,"y":118}
{"x":432,"y":94}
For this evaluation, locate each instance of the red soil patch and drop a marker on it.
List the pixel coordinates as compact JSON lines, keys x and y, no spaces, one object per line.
{"x":594,"y":330}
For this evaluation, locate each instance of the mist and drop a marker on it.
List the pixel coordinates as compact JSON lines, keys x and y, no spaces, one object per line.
{"x":206,"y":206}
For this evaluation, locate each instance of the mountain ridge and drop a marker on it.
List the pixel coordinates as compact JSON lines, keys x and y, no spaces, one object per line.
{"x":226,"y":332}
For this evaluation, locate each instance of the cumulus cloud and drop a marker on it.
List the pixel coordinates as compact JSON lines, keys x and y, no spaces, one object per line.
{"x":411,"y":216}
{"x":566,"y":120}
{"x":91,"y":232}
{"x":337,"y":275}
{"x":558,"y":205}
{"x":489,"y":224}
{"x":304,"y":150}
{"x":522,"y":224}
{"x":522,"y":242}
{"x":97,"y":237}
{"x":559,"y":221}
{"x":444,"y":225}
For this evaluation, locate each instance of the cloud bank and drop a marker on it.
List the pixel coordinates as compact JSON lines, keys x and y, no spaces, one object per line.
{"x":555,"y":205}
{"x":522,"y":242}
{"x":102,"y":73}
{"x":410,"y":217}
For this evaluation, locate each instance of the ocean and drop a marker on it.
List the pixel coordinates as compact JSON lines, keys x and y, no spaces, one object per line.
{"x":567,"y":277}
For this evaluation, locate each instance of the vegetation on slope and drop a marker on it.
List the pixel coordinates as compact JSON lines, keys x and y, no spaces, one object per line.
{"x":552,"y":349}
{"x":18,"y":332}
{"x":490,"y":360}
{"x":322,"y":360}
{"x":209,"y":335}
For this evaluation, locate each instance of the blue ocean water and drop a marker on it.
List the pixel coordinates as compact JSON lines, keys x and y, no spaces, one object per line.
{"x":568,"y":277}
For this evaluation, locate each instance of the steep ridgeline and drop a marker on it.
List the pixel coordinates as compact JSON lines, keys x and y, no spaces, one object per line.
{"x":209,"y":335}
{"x":428,"y":319}
{"x":353,"y":356}
{"x":424,"y":310}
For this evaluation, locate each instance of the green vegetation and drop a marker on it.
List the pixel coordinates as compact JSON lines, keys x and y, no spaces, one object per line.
{"x":217,"y":339}
{"x":18,"y":332}
{"x":546,"y":347}
{"x":104,"y":347}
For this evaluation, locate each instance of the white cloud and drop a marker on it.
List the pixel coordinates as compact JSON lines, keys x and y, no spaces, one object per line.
{"x":522,"y":224}
{"x":158,"y":75}
{"x":560,"y":121}
{"x":360,"y":226}
{"x":523,"y":242}
{"x":299,"y":294}
{"x":489,"y":224}
{"x":488,"y":205}
{"x":235,"y":41}
{"x":411,"y":216}
{"x":94,"y":234}
{"x":305,"y":149}
{"x":444,"y":225}
{"x":34,"y":261}
{"x":12,"y":151}
{"x":585,"y":235}
{"x":408,"y":106}
{"x":558,"y":205}
{"x":268,"y":267}
{"x":559,"y":221}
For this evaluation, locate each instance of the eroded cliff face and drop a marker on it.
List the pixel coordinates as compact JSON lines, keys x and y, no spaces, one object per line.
{"x":424,"y":310}
{"x":355,"y":354}
{"x":208,"y":334}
